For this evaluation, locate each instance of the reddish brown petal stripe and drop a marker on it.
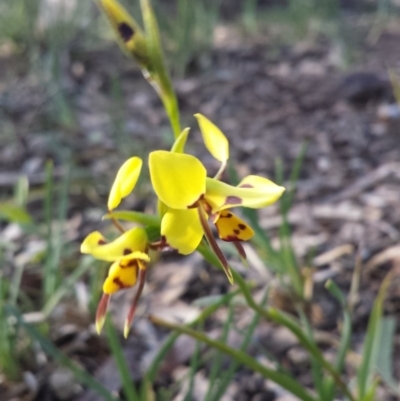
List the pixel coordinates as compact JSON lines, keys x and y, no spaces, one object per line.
{"x":125,"y":31}
{"x":213,"y":243}
{"x":132,"y":310}
{"x":233,"y":200}
{"x":101,"y":242}
{"x":246,"y":186}
{"x":101,"y":311}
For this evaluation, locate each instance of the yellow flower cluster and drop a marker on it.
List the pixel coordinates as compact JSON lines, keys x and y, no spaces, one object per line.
{"x":187,"y":201}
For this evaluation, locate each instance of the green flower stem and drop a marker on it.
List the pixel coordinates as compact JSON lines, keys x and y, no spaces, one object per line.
{"x":159,"y":76}
{"x":282,"y":319}
{"x":283,"y":380}
{"x":136,"y":217}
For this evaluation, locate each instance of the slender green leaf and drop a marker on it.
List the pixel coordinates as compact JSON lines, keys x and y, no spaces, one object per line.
{"x":14,"y":213}
{"x":136,"y":217}
{"x":385,"y":355}
{"x":345,"y":337}
{"x":216,"y":370}
{"x":66,"y":286}
{"x":372,"y":339}
{"x":227,"y":377}
{"x":118,"y":354}
{"x":80,"y":374}
{"x":284,"y":380}
{"x":169,"y":342}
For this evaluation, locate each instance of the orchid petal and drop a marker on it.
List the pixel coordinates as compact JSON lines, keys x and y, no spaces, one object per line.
{"x":182,"y":230}
{"x":130,"y":245}
{"x":253,"y":191}
{"x":101,"y":312}
{"x":122,"y":274}
{"x":124,"y":182}
{"x":179,"y":144}
{"x":231,"y":228}
{"x":178,"y":179}
{"x":214,"y":140}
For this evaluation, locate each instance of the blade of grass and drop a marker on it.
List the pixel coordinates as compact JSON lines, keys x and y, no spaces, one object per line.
{"x":169,"y":342}
{"x":227,"y":377}
{"x":283,"y":380}
{"x":345,"y":337}
{"x":67,"y":284}
{"x":194,"y":365}
{"x":81,"y":375}
{"x":288,"y":255}
{"x":48,"y":212}
{"x":372,"y":340}
{"x":55,"y":241}
{"x":118,"y":354}
{"x":282,"y":319}
{"x":136,"y":217}
{"x":8,"y":360}
{"x":217,"y":360}
{"x":15,"y":284}
{"x":385,"y":355}
{"x":316,"y":371}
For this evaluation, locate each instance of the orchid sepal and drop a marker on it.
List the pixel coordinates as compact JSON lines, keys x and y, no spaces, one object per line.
{"x":124,"y":182}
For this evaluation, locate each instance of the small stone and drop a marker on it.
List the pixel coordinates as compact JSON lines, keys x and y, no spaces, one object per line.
{"x":64,"y":385}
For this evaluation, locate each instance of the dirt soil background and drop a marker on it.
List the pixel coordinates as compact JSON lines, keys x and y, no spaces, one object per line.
{"x":269,"y":100}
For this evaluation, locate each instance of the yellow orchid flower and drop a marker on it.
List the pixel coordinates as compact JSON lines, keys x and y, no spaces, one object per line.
{"x":129,"y":256}
{"x":181,"y":183}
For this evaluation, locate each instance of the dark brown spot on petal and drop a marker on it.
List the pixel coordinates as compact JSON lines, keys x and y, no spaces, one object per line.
{"x":233,"y":200}
{"x":127,"y":251}
{"x":228,"y":215}
{"x":119,"y":283}
{"x":242,"y":226}
{"x":237,"y":232}
{"x":101,"y":242}
{"x":125,"y":31}
{"x":246,"y":186}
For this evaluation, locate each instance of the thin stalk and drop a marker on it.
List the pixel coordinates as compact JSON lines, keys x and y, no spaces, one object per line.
{"x":118,"y":226}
